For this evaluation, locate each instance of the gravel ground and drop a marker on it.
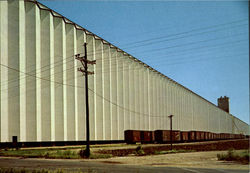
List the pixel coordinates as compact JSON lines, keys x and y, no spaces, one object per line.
{"x":206,"y":159}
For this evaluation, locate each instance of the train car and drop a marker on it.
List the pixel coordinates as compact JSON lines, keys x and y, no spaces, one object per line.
{"x":147,"y":136}
{"x":192,"y":135}
{"x":206,"y":136}
{"x":132,"y":136}
{"x":184,"y":136}
{"x":162,"y":136}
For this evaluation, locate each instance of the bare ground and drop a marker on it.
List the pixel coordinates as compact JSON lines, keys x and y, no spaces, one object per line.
{"x":195,"y":146}
{"x":206,"y":159}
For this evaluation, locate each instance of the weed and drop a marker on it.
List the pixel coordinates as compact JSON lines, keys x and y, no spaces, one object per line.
{"x":139,"y":151}
{"x":231,"y":155}
{"x":83,"y":153}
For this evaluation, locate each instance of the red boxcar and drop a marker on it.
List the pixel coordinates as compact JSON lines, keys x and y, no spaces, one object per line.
{"x":210,"y":136}
{"x":202,"y":135}
{"x":132,"y":136}
{"x":199,"y":136}
{"x":184,"y":136}
{"x":206,"y":136}
{"x":192,"y":135}
{"x":217,"y":136}
{"x":162,"y":136}
{"x":176,"y":135}
{"x":147,"y":136}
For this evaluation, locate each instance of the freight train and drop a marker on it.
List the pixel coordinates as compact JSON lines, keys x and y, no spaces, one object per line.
{"x":164,"y":136}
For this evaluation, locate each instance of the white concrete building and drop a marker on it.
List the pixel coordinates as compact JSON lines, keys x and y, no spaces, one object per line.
{"x":42,"y":93}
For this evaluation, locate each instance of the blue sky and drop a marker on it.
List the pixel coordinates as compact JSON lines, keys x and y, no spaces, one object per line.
{"x":203,"y":45}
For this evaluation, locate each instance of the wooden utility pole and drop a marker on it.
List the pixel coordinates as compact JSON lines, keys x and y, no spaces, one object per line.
{"x":84,"y":61}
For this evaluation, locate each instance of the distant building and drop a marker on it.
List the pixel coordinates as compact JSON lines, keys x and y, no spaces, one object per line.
{"x":223,"y":103}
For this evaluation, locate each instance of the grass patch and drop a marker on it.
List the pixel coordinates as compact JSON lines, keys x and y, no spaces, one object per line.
{"x":59,"y":154}
{"x":173,"y":151}
{"x":50,"y":154}
{"x":231,"y":155}
{"x":7,"y":170}
{"x":42,"y":153}
{"x":99,"y":156}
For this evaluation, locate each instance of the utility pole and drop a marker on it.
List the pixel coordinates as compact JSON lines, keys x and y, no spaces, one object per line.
{"x":84,"y":61}
{"x":171,"y":116}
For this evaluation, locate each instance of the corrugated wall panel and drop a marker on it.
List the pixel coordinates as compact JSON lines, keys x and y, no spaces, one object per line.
{"x":183,"y":117}
{"x":127,"y":116}
{"x":4,"y":71}
{"x":174,"y":107}
{"x":146,"y":100}
{"x":52,"y":77}
{"x":154,"y":103}
{"x":80,"y":108}
{"x":13,"y":76}
{"x":107,"y":91}
{"x":136,"y":93}
{"x":150,"y":99}
{"x":22,"y":66}
{"x":114,"y":94}
{"x":141,"y":97}
{"x":161,"y":102}
{"x":240,"y":127}
{"x":164,"y":109}
{"x":99,"y":89}
{"x":132,"y":95}
{"x":45,"y":106}
{"x":38,"y":75}
{"x":1,"y":38}
{"x":120,"y":84}
{"x":58,"y":77}
{"x":168,"y":104}
{"x":70,"y":81}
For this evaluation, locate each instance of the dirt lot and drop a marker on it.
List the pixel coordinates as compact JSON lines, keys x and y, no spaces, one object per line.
{"x":199,"y":154}
{"x":206,"y":159}
{"x":196,"y":146}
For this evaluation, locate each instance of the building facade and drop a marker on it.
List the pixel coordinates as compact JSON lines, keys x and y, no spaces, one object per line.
{"x":43,"y":96}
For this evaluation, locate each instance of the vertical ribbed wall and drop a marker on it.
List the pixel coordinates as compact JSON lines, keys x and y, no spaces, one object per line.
{"x":43,"y":94}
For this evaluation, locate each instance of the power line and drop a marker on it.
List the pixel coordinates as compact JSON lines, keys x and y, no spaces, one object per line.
{"x":189,"y":31}
{"x":187,"y":44}
{"x":116,"y":69}
{"x":182,"y":45}
{"x":99,"y":51}
{"x":64,"y":62}
{"x":61,"y":62}
{"x":217,"y":46}
{"x":95,"y":53}
{"x":195,"y":59}
{"x":171,"y":39}
{"x":60,"y":83}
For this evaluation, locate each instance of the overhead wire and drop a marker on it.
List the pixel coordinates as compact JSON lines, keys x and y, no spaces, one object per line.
{"x":54,"y":66}
{"x":96,"y":51}
{"x":182,"y":45}
{"x":171,"y":35}
{"x":61,"y":83}
{"x":178,"y":53}
{"x":189,"y":31}
{"x":114,"y":68}
{"x":161,"y":63}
